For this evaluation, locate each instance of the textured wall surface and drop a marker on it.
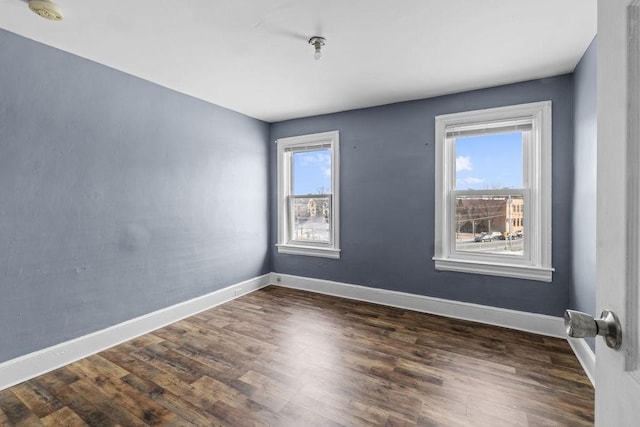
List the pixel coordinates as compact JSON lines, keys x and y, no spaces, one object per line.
{"x":117,"y":197}
{"x":583,"y":291}
{"x":387,"y":199}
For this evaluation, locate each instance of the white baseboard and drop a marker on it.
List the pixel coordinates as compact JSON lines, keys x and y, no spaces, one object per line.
{"x":520,"y":320}
{"x":586,"y":357}
{"x":25,"y":367}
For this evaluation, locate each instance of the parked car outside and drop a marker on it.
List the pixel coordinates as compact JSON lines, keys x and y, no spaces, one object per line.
{"x":484,"y":237}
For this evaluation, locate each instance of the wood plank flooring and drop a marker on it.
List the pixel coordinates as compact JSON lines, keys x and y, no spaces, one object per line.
{"x":284,"y":357}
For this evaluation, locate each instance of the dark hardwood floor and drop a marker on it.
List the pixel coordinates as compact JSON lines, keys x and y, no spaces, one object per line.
{"x":283,"y":357}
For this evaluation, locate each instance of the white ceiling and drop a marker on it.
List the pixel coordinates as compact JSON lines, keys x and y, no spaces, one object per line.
{"x":252,"y":56}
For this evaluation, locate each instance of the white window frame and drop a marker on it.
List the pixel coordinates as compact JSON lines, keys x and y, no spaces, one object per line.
{"x":535,"y":264}
{"x":286,"y":147}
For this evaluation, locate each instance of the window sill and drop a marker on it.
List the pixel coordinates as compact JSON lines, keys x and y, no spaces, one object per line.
{"x":332,"y":253}
{"x":494,"y":269}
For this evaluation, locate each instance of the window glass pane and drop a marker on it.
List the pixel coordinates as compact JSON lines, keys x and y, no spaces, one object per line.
{"x":490,"y":224}
{"x":489,"y":162}
{"x":311,"y":172}
{"x":311,"y":217}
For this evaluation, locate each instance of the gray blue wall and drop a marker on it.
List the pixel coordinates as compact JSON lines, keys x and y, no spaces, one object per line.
{"x":117,"y":197}
{"x":387,"y":199}
{"x":583,"y":291}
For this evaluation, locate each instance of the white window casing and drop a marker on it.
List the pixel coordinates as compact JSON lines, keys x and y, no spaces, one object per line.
{"x":535,"y":261}
{"x":286,"y":147}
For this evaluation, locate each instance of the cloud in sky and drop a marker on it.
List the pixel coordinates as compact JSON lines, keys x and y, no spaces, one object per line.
{"x":320,"y":159}
{"x":315,"y":157}
{"x":471,"y":180}
{"x":312,"y":172}
{"x":463,"y":163}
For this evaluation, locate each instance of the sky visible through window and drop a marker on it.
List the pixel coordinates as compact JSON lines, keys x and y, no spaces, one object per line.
{"x":489,"y":162}
{"x":312,"y":172}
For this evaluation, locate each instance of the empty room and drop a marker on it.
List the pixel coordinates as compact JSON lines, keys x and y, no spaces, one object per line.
{"x":338,"y":213}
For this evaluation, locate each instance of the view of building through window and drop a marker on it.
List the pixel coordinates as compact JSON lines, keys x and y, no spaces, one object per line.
{"x":310,"y":200}
{"x":489,"y":200}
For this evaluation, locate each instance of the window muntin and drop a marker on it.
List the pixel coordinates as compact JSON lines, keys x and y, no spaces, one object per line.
{"x":308,"y":195}
{"x":495,"y":166}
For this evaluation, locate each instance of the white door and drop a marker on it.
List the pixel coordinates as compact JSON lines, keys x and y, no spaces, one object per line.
{"x":618,"y":229}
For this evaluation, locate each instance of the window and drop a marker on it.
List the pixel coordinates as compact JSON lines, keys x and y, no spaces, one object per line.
{"x":493,"y":192}
{"x":308,"y":195}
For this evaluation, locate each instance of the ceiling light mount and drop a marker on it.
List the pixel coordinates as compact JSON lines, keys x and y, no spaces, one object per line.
{"x":47,"y":9}
{"x":317,"y":42}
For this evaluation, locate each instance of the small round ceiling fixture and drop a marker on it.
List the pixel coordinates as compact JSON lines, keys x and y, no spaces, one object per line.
{"x":317,"y":42}
{"x":46,"y":8}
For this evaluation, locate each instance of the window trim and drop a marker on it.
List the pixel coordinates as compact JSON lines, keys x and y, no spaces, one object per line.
{"x":537,"y":183}
{"x":287,"y":145}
